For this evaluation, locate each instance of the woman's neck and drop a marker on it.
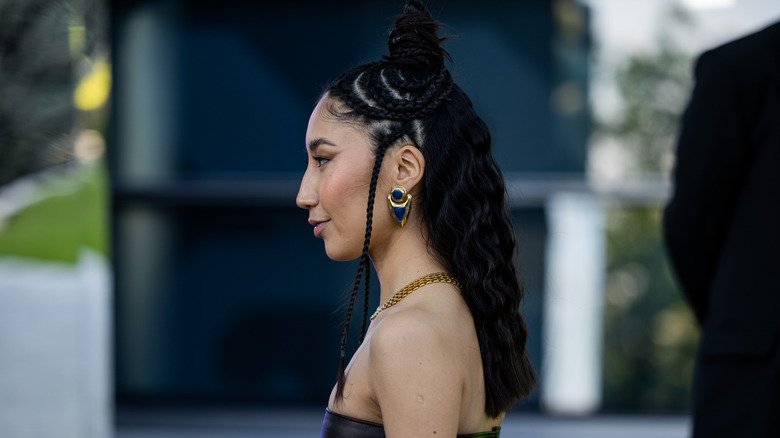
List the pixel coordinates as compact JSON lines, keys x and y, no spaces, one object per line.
{"x":405,"y":258}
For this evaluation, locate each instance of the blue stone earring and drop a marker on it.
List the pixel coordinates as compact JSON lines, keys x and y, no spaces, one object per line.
{"x":400,"y":204}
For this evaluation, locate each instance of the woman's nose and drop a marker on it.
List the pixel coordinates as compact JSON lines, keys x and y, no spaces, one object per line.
{"x":307,"y":197}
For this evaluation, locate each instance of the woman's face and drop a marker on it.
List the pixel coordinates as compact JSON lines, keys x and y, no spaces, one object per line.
{"x":335,"y":186}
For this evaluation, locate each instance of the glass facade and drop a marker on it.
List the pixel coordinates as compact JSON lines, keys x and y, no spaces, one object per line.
{"x":221,"y":291}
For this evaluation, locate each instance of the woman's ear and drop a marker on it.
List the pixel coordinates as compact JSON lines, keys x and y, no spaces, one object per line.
{"x":408,"y":166}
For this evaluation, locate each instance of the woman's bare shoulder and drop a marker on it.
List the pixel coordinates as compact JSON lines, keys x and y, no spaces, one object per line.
{"x":399,"y":329}
{"x":416,"y":377}
{"x":423,"y":339}
{"x":434,"y":320}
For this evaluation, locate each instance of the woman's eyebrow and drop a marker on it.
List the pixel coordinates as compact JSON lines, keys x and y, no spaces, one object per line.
{"x":314,"y":144}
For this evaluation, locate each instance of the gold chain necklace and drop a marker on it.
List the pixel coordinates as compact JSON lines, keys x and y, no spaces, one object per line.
{"x":436,"y":277}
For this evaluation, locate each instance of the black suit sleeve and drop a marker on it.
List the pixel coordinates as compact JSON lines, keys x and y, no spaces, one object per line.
{"x":711,"y":159}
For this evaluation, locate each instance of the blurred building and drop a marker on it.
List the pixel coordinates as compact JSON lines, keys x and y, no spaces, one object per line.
{"x":222,"y":294}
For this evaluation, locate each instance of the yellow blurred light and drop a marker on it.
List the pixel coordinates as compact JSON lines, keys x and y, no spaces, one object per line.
{"x":93,"y":89}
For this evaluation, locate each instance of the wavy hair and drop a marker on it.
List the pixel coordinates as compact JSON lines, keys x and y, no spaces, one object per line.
{"x":409,"y":96}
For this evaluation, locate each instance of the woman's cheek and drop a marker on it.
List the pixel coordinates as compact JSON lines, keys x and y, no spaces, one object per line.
{"x":344,"y":187}
{"x":333,"y":188}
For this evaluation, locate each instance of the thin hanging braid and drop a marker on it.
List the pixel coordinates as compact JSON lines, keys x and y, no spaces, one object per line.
{"x":409,"y":84}
{"x":384,"y":142}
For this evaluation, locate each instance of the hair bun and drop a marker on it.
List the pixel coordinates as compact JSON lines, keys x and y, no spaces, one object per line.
{"x":411,"y":82}
{"x":414,"y":41}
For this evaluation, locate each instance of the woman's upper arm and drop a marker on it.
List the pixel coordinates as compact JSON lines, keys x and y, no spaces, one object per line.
{"x":415,"y":378}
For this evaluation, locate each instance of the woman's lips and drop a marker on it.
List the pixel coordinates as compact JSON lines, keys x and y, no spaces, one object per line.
{"x":319,"y":227}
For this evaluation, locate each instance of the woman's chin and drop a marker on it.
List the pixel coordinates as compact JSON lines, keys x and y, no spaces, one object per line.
{"x":341,"y":254}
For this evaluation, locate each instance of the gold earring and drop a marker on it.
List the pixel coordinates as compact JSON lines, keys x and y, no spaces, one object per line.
{"x":400,"y":204}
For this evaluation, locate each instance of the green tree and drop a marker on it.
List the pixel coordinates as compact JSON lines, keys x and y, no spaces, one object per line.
{"x":650,"y":333}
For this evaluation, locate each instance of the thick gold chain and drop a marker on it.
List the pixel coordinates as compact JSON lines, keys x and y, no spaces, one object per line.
{"x":436,"y":277}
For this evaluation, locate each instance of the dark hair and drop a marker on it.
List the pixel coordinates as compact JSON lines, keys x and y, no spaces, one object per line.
{"x":410,"y":96}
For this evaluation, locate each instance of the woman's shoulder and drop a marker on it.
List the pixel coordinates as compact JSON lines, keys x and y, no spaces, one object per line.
{"x":417,"y":377}
{"x":406,"y":330}
{"x":433,"y":319}
{"x":432,"y":330}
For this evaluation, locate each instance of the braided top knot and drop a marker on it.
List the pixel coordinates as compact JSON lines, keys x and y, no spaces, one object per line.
{"x":414,"y":41}
{"x":408,"y":84}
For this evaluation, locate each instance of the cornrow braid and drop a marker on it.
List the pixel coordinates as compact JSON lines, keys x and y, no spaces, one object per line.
{"x":408,"y":84}
{"x":403,"y":96}
{"x":384,"y":141}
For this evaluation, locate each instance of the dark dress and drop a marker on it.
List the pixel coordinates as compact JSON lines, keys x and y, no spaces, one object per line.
{"x":340,"y":426}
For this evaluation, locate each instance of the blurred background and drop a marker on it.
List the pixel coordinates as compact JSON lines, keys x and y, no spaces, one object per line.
{"x":157,"y":278}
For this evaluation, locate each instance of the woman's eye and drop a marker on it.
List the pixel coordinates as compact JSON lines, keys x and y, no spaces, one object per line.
{"x":320,"y":161}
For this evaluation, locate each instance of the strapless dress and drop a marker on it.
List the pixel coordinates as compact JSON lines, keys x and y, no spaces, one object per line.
{"x":340,"y":426}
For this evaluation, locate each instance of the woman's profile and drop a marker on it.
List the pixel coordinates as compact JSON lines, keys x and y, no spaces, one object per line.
{"x":400,"y":175}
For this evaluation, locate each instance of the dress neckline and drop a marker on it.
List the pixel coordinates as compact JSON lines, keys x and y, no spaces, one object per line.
{"x":494,"y":433}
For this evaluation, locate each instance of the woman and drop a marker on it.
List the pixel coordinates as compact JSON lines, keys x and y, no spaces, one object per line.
{"x":450,"y":358}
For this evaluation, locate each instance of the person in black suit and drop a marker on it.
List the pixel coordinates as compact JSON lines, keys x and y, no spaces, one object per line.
{"x":722,"y":230}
